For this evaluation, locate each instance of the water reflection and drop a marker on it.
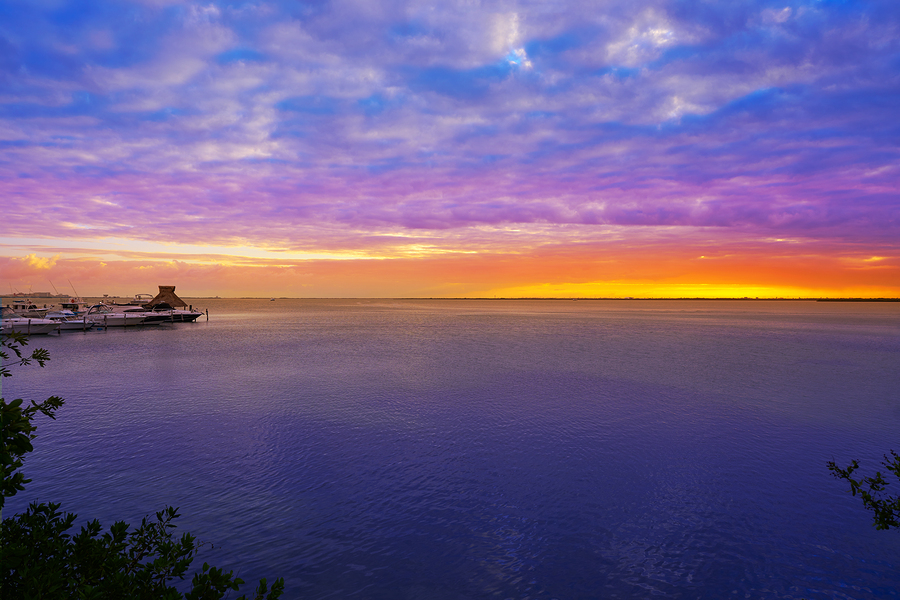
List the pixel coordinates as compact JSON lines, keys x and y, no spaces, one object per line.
{"x":472,"y":449}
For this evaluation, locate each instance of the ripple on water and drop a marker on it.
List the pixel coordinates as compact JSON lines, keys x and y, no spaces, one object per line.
{"x":472,"y":450}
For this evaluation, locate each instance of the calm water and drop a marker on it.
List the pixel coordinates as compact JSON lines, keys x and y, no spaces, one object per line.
{"x":491,"y":449}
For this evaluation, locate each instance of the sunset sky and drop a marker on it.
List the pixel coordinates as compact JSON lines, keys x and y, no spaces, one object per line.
{"x":455,"y":148}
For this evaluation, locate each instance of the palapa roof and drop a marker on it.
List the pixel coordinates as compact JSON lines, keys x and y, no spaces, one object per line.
{"x":166,"y":294}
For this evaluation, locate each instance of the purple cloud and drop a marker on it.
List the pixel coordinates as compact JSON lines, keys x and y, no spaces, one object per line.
{"x":301,"y":125}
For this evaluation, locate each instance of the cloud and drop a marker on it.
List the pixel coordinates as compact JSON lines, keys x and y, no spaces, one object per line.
{"x":39,"y":263}
{"x":342,"y":126}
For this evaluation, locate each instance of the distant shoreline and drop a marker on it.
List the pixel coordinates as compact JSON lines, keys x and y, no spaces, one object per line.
{"x":546,"y":298}
{"x":858,"y":300}
{"x":37,"y":298}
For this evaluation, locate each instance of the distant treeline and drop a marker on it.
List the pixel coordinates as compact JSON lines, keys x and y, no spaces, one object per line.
{"x":858,"y":300}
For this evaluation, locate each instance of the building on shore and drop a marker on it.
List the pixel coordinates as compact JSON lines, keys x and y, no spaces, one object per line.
{"x":166,"y":295}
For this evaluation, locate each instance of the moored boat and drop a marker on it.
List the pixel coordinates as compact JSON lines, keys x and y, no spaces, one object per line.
{"x":67,"y":320}
{"x":166,"y":302}
{"x":11,"y":322}
{"x":150,"y":317}
{"x":27,"y":308}
{"x":138,"y":300}
{"x":103,"y":315}
{"x":175,"y":315}
{"x":74,"y":304}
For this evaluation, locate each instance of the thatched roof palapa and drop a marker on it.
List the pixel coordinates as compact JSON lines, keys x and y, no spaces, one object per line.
{"x":166,"y":295}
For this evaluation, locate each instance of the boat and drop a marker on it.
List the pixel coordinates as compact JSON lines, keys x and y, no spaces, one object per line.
{"x":11,"y":322}
{"x":103,"y":315}
{"x":74,"y":304}
{"x":160,"y":312}
{"x":27,"y":308}
{"x":138,"y":300}
{"x":150,"y":317}
{"x":166,"y":302}
{"x":67,"y":320}
{"x":175,"y":315}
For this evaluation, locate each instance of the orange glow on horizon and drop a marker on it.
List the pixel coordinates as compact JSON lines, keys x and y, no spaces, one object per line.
{"x":613,"y":271}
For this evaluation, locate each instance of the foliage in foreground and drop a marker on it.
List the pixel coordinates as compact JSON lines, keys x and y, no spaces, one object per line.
{"x":40,"y":558}
{"x":886,"y":508}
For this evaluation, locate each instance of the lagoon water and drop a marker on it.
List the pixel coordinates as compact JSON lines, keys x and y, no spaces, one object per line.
{"x":456,"y":449}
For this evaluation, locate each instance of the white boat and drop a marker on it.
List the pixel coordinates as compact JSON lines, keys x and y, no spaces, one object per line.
{"x":27,"y":308}
{"x":67,"y":320}
{"x":138,"y":300}
{"x":175,"y":315}
{"x":157,"y":309}
{"x":74,"y":304}
{"x":166,"y":301}
{"x":102,"y":315}
{"x":150,"y":317}
{"x":10,"y":322}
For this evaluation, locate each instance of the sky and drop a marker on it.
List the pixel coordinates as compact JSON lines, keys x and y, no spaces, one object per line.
{"x":348,"y":148}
